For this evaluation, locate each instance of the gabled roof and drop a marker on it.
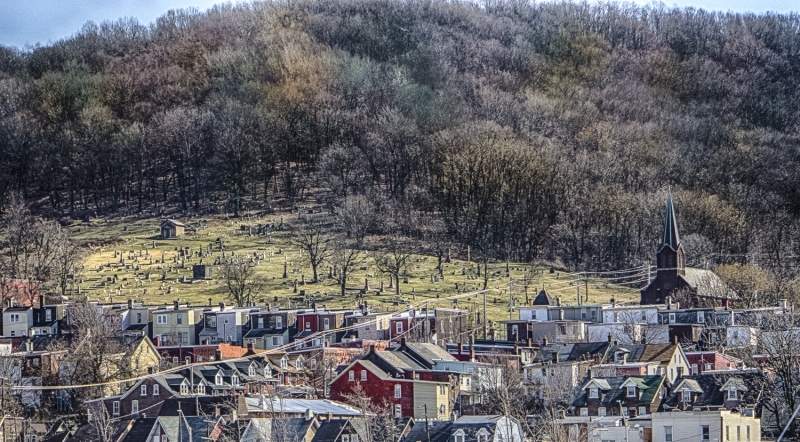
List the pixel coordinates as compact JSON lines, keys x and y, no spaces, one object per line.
{"x":543,"y":298}
{"x":713,"y":384}
{"x":259,"y":332}
{"x":179,"y":428}
{"x":689,"y":384}
{"x":644,"y":352}
{"x":439,"y":431}
{"x":173,"y":222}
{"x":140,"y":429}
{"x":429,"y":352}
{"x":648,"y":386}
{"x":330,"y":430}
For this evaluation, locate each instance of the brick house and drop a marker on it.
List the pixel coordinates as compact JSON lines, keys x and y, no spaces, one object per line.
{"x":701,"y":361}
{"x":405,"y":377}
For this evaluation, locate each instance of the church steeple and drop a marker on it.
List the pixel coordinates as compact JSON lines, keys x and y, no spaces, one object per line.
{"x":670,"y":237}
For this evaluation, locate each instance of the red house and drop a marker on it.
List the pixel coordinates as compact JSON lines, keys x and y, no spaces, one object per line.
{"x":701,"y":361}
{"x":403,"y":379}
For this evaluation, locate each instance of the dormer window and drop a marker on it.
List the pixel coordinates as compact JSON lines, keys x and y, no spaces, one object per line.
{"x":218,"y":379}
{"x":631,"y":391}
{"x":733,"y":394}
{"x":686,"y":396}
{"x":594,"y":393}
{"x":278,"y":322}
{"x":251,"y":371}
{"x":235,"y":380}
{"x":284,"y":363}
{"x":184,"y":388}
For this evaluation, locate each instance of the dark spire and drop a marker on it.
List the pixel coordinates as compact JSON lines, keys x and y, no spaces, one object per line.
{"x":671,"y":237}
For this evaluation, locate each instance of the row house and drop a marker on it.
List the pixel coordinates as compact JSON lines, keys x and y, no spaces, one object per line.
{"x":559,"y":330}
{"x":228,"y":324}
{"x":17,"y":321}
{"x":729,"y":389}
{"x":172,"y":355}
{"x":620,"y":396}
{"x":289,"y":370}
{"x":705,"y":425}
{"x":311,"y":322}
{"x":660,"y":359}
{"x":564,"y":364}
{"x":702,"y":361}
{"x":405,"y":377}
{"x":469,"y":429}
{"x":177,"y":325}
{"x":369,"y":326}
{"x":412,"y":325}
{"x":270,"y":329}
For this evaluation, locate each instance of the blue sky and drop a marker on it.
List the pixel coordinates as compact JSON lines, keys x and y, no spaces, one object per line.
{"x":27,"y":22}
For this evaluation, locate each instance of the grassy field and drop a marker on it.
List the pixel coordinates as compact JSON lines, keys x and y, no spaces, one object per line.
{"x":137,"y":242}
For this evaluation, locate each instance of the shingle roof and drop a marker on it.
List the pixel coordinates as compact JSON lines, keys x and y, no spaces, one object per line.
{"x":712,"y":382}
{"x":439,"y":431}
{"x":648,"y":387}
{"x":330,"y":430}
{"x":140,"y":429}
{"x":196,"y":426}
{"x":543,"y":298}
{"x":429,"y":351}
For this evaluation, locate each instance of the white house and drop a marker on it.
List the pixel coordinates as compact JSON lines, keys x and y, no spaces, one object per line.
{"x":721,"y":425}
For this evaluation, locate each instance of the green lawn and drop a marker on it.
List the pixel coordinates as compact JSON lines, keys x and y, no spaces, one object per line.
{"x":134,"y":238}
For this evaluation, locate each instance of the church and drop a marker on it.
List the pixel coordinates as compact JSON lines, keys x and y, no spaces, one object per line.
{"x":702,"y":287}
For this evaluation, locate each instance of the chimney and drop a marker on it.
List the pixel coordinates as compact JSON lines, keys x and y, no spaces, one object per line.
{"x":727,"y":306}
{"x":309,"y":414}
{"x":216,"y":411}
{"x":204,"y":341}
{"x":330,"y":416}
{"x":222,"y":306}
{"x":403,"y":341}
{"x":733,"y":319}
{"x":644,"y":340}
{"x":677,"y":306}
{"x":530,"y":342}
{"x":561,"y":314}
{"x":175,"y":304}
{"x":250,"y":346}
{"x":217,"y":355}
{"x":493,"y":334}
{"x":516,"y":348}
{"x":156,"y":341}
{"x":589,"y":372}
{"x":555,"y":357}
{"x":675,"y":339}
{"x":668,"y":302}
{"x":613,"y":302}
{"x":460,"y":348}
{"x":558,"y":301}
{"x":471,"y":348}
{"x":130,"y":303}
{"x":544,"y":341}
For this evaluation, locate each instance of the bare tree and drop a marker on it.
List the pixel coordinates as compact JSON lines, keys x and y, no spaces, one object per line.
{"x":344,"y":258}
{"x":393,"y":261}
{"x":377,"y":422}
{"x":241,"y":280}
{"x":355,"y":217}
{"x":313,"y":242}
{"x":101,"y":422}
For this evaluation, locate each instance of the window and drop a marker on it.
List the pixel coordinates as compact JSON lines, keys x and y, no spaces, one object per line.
{"x":399,"y":327}
{"x":353,"y":438}
{"x":161,"y":319}
{"x":115,"y":408}
{"x":174,"y":359}
{"x":278,"y":322}
{"x":672,"y":318}
{"x":184,"y":388}
{"x":733,"y":394}
{"x":398,"y":391}
{"x":276,"y":341}
{"x":345,"y":438}
{"x":442,"y":391}
{"x":199,"y":358}
{"x":686,"y":396}
{"x":326,"y":323}
{"x":179,"y":318}
{"x":363,"y":375}
{"x":695,"y":372}
{"x":441,"y":409}
{"x":601,"y":411}
{"x":212,"y":321}
{"x":398,"y":410}
{"x":13,"y":333}
{"x":642,"y":411}
{"x":459,"y":437}
{"x":235,"y":380}
{"x":31,"y":438}
{"x":584,"y":412}
{"x":218,"y":379}
{"x":155,"y":390}
{"x":700,"y":318}
{"x":668,"y":434}
{"x":308,"y":325}
{"x":708,"y":367}
{"x":48,"y":315}
{"x":187,"y":360}
{"x":593,"y":392}
{"x":138,"y":318}
{"x":727,"y":432}
{"x":515,"y":331}
{"x":134,"y":406}
{"x":748,"y":432}
{"x":631,"y":391}
{"x":705,"y":432}
{"x":14,"y":317}
{"x":143,"y":390}
{"x":351,"y":376}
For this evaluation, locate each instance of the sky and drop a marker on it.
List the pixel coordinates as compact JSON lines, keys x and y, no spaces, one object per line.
{"x":28,"y":22}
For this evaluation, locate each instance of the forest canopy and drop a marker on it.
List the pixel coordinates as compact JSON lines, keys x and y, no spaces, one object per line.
{"x":525,"y":130}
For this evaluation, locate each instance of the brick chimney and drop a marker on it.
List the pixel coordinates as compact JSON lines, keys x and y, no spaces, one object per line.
{"x":221,"y":306}
{"x":175,"y":304}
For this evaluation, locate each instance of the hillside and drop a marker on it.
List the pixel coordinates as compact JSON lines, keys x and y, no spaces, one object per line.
{"x":526,"y":131}
{"x":125,"y":239}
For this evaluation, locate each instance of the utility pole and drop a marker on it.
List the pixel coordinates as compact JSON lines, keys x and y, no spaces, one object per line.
{"x":484,"y":314}
{"x":427,"y":427}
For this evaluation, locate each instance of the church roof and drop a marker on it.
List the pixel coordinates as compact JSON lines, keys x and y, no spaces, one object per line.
{"x":670,"y":237}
